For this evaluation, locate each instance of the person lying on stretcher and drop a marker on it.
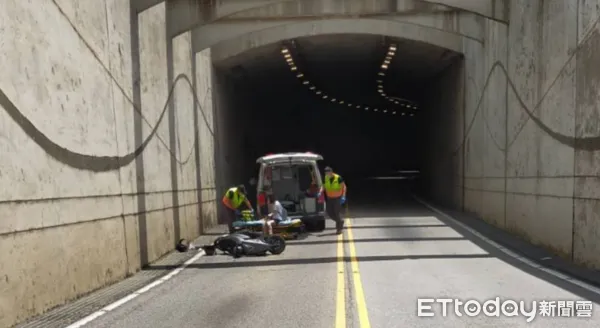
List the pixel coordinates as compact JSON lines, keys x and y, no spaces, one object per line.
{"x":277,"y":214}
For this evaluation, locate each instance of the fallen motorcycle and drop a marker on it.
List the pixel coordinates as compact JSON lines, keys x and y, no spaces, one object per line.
{"x":243,"y":243}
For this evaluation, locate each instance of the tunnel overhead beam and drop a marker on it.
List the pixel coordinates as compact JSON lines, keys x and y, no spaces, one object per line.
{"x":243,"y":37}
{"x":188,"y":14}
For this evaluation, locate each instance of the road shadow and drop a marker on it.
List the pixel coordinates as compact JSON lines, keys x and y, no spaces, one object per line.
{"x":373,"y":240}
{"x":381,"y":211}
{"x":398,"y":226}
{"x":237,"y":263}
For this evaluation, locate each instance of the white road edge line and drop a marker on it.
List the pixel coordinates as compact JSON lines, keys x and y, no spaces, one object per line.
{"x":525,"y":260}
{"x":82,"y":322}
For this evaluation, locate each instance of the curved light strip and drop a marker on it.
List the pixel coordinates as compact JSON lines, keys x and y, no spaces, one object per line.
{"x":385,"y":65}
{"x":287,"y":56}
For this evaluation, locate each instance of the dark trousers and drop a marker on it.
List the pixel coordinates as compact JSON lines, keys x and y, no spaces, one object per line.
{"x":334,"y":211}
{"x":229,"y":217}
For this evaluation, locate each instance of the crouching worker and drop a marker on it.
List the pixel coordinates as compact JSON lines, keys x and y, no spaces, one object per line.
{"x":278,"y":213}
{"x":233,"y":202}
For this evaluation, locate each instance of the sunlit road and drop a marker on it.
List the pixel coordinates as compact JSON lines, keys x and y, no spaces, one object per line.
{"x":403,"y":254}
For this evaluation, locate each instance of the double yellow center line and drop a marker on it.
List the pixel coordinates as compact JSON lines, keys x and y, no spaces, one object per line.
{"x":363,"y":315}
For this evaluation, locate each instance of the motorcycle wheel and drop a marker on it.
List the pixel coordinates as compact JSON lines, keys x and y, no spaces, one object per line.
{"x":237,"y":251}
{"x":277,"y":244}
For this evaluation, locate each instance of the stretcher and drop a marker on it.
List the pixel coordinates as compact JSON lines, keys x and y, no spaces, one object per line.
{"x":288,"y":229}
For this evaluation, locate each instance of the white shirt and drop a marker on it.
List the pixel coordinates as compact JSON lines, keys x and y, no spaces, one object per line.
{"x":279,"y":212}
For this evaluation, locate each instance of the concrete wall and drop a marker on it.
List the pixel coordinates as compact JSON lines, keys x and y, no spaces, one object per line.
{"x":531,"y":151}
{"x":207,"y":144}
{"x":552,"y":169}
{"x":443,"y":118}
{"x":190,"y":14}
{"x":228,"y":148}
{"x":90,"y":189}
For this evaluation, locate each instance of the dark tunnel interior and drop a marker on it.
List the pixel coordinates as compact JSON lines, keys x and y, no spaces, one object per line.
{"x":364,"y":102}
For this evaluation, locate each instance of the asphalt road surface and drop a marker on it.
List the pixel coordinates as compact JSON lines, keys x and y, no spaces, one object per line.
{"x":401,"y":254}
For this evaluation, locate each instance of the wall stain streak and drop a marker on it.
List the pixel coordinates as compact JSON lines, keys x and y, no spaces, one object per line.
{"x":92,"y":162}
{"x":585,"y":143}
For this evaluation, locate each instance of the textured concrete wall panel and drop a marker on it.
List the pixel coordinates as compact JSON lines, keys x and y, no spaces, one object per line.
{"x":206,"y":129}
{"x":586,"y":234}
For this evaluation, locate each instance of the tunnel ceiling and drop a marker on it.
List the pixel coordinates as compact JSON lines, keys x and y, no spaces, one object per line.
{"x":346,"y":66}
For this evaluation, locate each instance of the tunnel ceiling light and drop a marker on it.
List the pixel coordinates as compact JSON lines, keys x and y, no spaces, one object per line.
{"x":290,"y":60}
{"x":385,"y":65}
{"x":394,"y":113}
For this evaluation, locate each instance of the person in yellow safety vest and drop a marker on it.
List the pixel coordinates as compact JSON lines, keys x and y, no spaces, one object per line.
{"x":335,"y":190}
{"x":233,"y":200}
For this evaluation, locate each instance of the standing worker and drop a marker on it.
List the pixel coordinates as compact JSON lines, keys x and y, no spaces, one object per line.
{"x":232,"y":202}
{"x":335,"y":190}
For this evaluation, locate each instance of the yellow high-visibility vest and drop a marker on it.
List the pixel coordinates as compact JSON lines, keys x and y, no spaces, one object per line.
{"x":333,"y":187}
{"x":237,"y":200}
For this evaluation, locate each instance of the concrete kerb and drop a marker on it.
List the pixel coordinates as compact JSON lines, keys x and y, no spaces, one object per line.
{"x":522,"y":251}
{"x":91,"y":306}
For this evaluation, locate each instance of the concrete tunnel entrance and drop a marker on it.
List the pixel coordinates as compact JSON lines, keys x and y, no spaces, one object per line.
{"x":124,"y":124}
{"x":370,"y":104}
